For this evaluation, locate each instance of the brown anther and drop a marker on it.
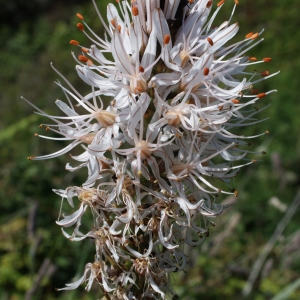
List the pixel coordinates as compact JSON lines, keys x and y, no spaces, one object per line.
{"x":113,"y":23}
{"x":31,"y":157}
{"x":41,"y":126}
{"x":206,"y":71}
{"x":220,"y":107}
{"x":36,"y":134}
{"x":167,"y":39}
{"x":265,"y":73}
{"x":248,"y":36}
{"x":73,"y":42}
{"x":254,"y":92}
{"x":254,"y":161}
{"x":210,"y":41}
{"x":209,"y":3}
{"x":220,"y":3}
{"x":261,"y":95}
{"x":140,"y":89}
{"x":80,"y":16}
{"x":135,"y":11}
{"x":236,"y":193}
{"x":82,"y":58}
{"x":119,"y":28}
{"x":263,"y":152}
{"x":252,"y":58}
{"x":47,"y":128}
{"x":267,"y":59}
{"x":80,"y":27}
{"x":267,"y":132}
{"x":254,"y":36}
{"x":141,"y":69}
{"x":86,"y":50}
{"x":236,"y":2}
{"x":235,"y":101}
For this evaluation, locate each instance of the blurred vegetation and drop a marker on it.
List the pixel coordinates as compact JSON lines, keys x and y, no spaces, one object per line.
{"x":35,"y":257}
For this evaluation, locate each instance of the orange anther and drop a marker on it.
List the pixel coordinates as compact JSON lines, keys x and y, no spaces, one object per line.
{"x":80,"y":16}
{"x":265,"y":73}
{"x":90,"y":62}
{"x":82,"y":58}
{"x":267,"y":59}
{"x":261,"y":95}
{"x":252,"y":58}
{"x":236,"y":2}
{"x":86,"y":50}
{"x":206,"y":71}
{"x":113,"y":23}
{"x":209,"y":3}
{"x":220,"y":3}
{"x":235,"y":101}
{"x":167,"y":39}
{"x":248,"y":36}
{"x":119,"y":28}
{"x":80,"y":27}
{"x":254,"y":36}
{"x":141,"y":69}
{"x":135,"y":11}
{"x":210,"y":41}
{"x":36,"y":134}
{"x":73,"y":42}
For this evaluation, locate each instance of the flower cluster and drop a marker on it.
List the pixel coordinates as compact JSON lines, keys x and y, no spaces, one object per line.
{"x":161,"y":149}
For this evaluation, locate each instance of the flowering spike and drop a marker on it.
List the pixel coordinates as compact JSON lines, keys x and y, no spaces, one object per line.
{"x":173,"y":93}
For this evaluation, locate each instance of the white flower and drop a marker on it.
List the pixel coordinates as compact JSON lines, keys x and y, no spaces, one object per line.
{"x":157,"y":150}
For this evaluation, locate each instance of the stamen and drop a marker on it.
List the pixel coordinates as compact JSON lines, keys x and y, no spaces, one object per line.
{"x":80,"y":27}
{"x":206,"y":71}
{"x":167,"y":39}
{"x":74,"y":42}
{"x":261,"y":95}
{"x":248,"y":36}
{"x":252,"y":58}
{"x":113,"y":23}
{"x":265,"y":73}
{"x":267,"y":59}
{"x":79,"y":16}
{"x":82,"y":58}
{"x":209,"y":3}
{"x":135,"y":11}
{"x":210,"y":41}
{"x":221,"y":3}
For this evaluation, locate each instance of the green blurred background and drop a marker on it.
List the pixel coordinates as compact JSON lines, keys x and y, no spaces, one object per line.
{"x":35,"y":257}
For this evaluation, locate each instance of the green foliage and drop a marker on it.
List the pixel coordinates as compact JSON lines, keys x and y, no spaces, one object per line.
{"x":220,"y":268}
